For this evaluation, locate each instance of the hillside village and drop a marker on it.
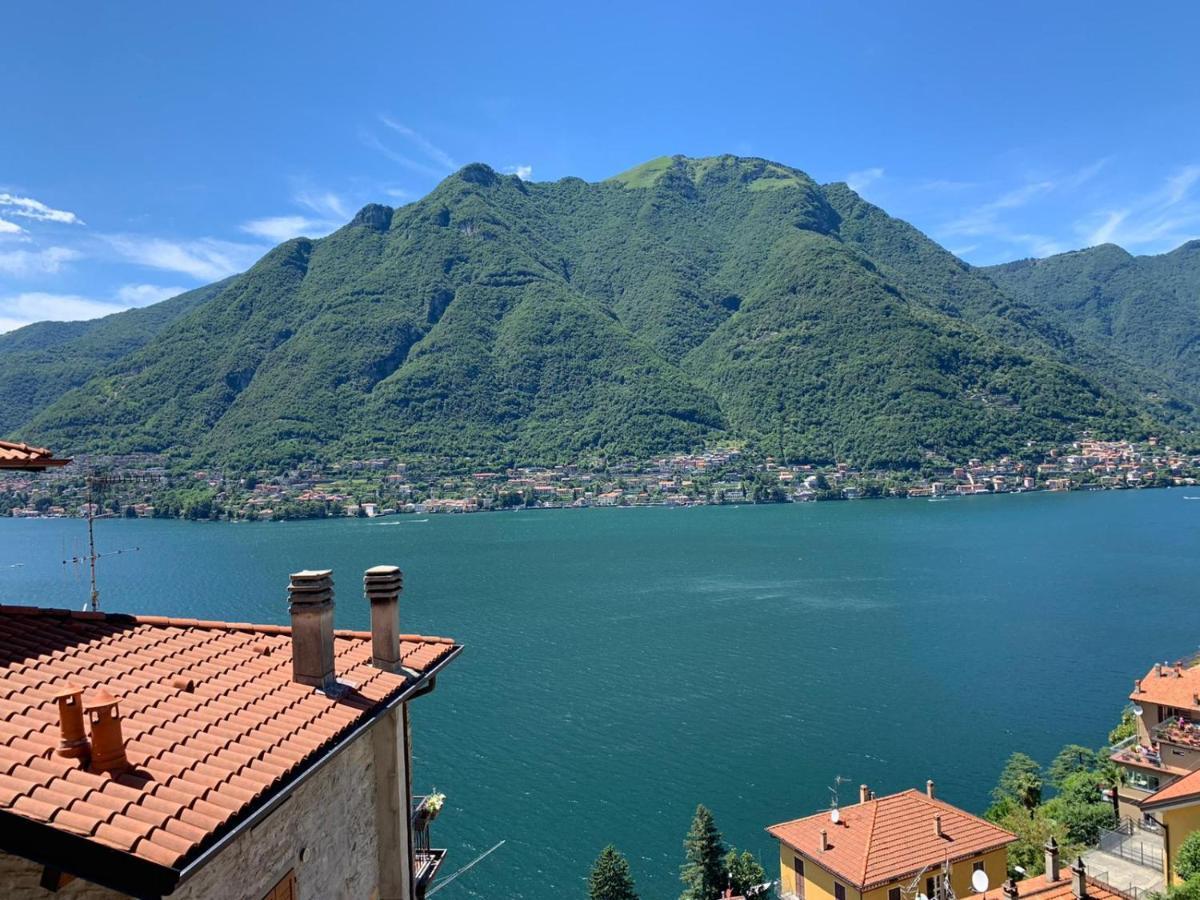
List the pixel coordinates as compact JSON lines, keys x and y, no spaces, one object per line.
{"x":144,"y":487}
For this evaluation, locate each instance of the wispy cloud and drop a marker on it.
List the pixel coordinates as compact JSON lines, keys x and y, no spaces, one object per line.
{"x":47,"y":261}
{"x":421,"y":155}
{"x":1161,"y":220}
{"x":18,"y":310}
{"x":205,"y":259}
{"x":281,"y":228}
{"x":7,"y":227}
{"x":28,"y":208}
{"x":146,"y":294}
{"x":326,"y":204}
{"x":426,"y":146}
{"x":525,"y":173}
{"x":36,"y":306}
{"x":861,"y":180}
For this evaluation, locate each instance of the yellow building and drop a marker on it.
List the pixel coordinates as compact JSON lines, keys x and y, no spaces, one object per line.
{"x":1177,"y":809}
{"x":890,"y":848}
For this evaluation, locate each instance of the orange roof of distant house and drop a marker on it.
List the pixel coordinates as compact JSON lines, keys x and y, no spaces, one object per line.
{"x":1176,"y":686}
{"x":22,"y":456}
{"x":203,"y":760}
{"x":881,"y":840}
{"x":1039,"y":888}
{"x":1184,"y":791}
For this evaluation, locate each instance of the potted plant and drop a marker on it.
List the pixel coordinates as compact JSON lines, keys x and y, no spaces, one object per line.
{"x":429,"y":808}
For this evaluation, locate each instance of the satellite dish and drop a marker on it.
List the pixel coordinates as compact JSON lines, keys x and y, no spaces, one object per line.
{"x":1020,"y":870}
{"x":922,"y":897}
{"x":1137,"y":710}
{"x":835,"y":816}
{"x":979,"y":881}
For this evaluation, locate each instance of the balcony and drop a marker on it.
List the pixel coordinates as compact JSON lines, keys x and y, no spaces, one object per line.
{"x":1132,"y":752}
{"x":426,"y":859}
{"x":1178,"y":731}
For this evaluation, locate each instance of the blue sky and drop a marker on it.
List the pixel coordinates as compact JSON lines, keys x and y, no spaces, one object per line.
{"x":147,"y":148}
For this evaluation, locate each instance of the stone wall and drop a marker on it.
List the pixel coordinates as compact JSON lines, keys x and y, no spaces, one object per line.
{"x":325,"y":831}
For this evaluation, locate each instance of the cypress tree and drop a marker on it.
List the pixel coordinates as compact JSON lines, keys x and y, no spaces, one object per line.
{"x":703,"y":874}
{"x":610,"y":878}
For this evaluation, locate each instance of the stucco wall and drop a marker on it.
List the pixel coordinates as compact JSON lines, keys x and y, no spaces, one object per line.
{"x":326,"y":831}
{"x":820,"y":881}
{"x":1180,"y":823}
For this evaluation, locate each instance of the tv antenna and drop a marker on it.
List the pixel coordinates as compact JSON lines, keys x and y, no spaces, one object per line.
{"x":95,"y":487}
{"x":838,"y":781}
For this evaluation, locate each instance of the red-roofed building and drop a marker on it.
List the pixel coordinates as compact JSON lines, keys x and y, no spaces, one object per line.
{"x":145,"y":756}
{"x":890,"y":848}
{"x":24,"y":458}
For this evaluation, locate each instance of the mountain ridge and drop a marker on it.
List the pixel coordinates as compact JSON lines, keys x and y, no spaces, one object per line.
{"x":684,"y":301}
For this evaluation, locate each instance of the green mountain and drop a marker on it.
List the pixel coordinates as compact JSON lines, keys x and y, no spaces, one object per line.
{"x":1143,"y":309}
{"x":684,"y":301}
{"x":41,"y":362}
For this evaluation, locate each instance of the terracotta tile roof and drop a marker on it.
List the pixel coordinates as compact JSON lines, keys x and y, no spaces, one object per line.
{"x":1174,"y":687}
{"x":1184,"y":789}
{"x":22,"y":456}
{"x":1039,"y":888}
{"x":884,"y":839}
{"x":202,"y":759}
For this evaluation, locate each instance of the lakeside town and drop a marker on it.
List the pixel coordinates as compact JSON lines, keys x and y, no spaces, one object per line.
{"x":145,"y":486}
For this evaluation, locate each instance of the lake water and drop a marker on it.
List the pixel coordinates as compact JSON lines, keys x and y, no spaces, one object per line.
{"x":622,"y":666}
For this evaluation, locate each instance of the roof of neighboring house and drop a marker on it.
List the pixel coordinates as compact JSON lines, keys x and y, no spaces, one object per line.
{"x":1038,"y":887}
{"x":1183,"y":791}
{"x":884,"y":839}
{"x":1174,"y":687}
{"x":22,"y":456}
{"x":204,"y":760}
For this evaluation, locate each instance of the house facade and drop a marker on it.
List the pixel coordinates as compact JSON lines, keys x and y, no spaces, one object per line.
{"x":889,"y":848}
{"x":146,"y":756}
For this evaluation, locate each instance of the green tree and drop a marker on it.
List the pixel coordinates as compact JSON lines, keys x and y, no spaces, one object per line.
{"x":743,"y":871}
{"x":1020,"y":781}
{"x":702,"y":873}
{"x":1071,"y":759}
{"x":1188,"y":862}
{"x":610,"y":878}
{"x":1126,"y":728}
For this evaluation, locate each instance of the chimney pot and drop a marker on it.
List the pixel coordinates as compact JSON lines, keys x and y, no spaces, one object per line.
{"x":929,"y":788}
{"x":382,"y":586}
{"x":1079,"y":880}
{"x":864,"y":793}
{"x":108,"y":746}
{"x":937,"y":824}
{"x":824,"y":839}
{"x":73,"y":742}
{"x":1011,"y":891}
{"x":1137,"y":685}
{"x":1053,"y":873}
{"x":310,"y":602}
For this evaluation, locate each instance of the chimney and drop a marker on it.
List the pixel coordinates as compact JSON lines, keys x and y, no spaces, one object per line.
{"x":310,"y":601}
{"x":1137,"y":685}
{"x":937,"y":824}
{"x":72,"y":740}
{"x":824,"y":839}
{"x":872,"y":797}
{"x":1011,"y":891}
{"x":108,"y":746}
{"x":1178,"y":668}
{"x":382,"y":585}
{"x":1158,"y":667}
{"x":1052,"y":868}
{"x":929,"y":788}
{"x":864,"y":793}
{"x":1079,"y":880}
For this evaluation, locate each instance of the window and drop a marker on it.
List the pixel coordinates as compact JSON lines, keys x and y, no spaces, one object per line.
{"x":285,"y":890}
{"x":977,"y":866}
{"x":894,"y":894}
{"x":1141,"y":780}
{"x":798,"y":868}
{"x":839,"y":891}
{"x":930,"y":888}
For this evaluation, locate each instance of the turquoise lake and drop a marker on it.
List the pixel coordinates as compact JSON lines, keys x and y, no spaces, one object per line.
{"x":622,"y":666}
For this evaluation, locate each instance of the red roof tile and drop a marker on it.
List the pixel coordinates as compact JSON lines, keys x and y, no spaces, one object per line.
{"x":881,"y":840}
{"x":1182,"y":791}
{"x":1037,"y":887}
{"x":22,"y":456}
{"x":1167,"y":685}
{"x":200,"y":759}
